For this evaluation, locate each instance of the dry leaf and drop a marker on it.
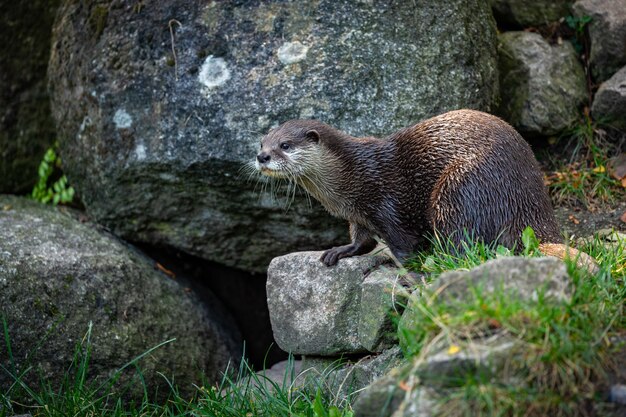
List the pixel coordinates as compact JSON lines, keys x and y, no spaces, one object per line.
{"x":623,"y":218}
{"x":165,"y":271}
{"x":494,"y":324}
{"x":573,"y":219}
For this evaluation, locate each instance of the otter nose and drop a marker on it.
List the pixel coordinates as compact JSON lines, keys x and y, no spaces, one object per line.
{"x":263,"y":157}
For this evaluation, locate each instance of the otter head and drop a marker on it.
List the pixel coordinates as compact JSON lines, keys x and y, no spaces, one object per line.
{"x":286,"y":149}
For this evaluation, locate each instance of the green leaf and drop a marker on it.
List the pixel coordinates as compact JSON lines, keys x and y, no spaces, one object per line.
{"x":56,"y":199}
{"x":50,"y":156}
{"x":529,"y":240}
{"x":503,"y":251}
{"x":318,"y":406}
{"x":334,"y":412}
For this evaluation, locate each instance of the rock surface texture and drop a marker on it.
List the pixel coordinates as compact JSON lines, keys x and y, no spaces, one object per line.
{"x":607,"y":31}
{"x":59,"y":276}
{"x":317,"y":310}
{"x":159,"y":105}
{"x":542,"y":85}
{"x":609,"y":103}
{"x":26,"y":126}
{"x":530,"y":12}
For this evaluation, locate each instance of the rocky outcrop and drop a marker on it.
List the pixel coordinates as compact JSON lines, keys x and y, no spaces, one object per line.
{"x":329,"y":311}
{"x":26,"y":126}
{"x":61,"y":279}
{"x":609,"y":103}
{"x":542,"y":85}
{"x":159,"y":105}
{"x":607,"y":30}
{"x":529,"y":13}
{"x":420,"y":387}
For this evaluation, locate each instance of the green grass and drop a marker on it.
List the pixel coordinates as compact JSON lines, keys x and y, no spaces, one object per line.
{"x":564,"y":349}
{"x":445,"y":256}
{"x":240,"y":393}
{"x":585,"y":179}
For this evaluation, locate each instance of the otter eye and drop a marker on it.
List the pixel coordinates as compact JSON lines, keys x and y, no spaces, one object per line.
{"x":284,"y":146}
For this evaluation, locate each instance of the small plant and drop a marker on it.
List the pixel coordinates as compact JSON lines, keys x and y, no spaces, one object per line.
{"x":578,"y":25}
{"x":59,"y":192}
{"x":585,"y":179}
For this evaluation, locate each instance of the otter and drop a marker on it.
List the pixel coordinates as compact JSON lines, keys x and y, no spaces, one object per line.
{"x":461,"y":174}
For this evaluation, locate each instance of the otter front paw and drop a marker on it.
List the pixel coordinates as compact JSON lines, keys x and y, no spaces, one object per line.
{"x":330,"y":257}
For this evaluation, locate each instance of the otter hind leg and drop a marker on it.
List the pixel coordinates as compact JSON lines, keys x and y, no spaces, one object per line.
{"x":469,"y":203}
{"x":362,"y":243}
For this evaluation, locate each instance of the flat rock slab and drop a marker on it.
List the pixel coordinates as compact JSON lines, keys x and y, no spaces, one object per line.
{"x":60,"y":277}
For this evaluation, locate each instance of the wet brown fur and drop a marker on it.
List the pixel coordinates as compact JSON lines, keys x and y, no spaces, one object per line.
{"x":462,"y":170}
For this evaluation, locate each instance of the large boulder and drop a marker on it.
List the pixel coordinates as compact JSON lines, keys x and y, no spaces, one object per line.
{"x":607,"y":31}
{"x":160,"y":105}
{"x":609,"y":103}
{"x":60,"y":277}
{"x":542,"y":85}
{"x":26,"y":125}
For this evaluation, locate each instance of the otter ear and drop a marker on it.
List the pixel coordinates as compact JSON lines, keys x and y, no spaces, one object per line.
{"x":313,"y":136}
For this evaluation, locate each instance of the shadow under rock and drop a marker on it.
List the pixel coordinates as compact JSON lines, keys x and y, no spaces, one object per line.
{"x":242,"y":293}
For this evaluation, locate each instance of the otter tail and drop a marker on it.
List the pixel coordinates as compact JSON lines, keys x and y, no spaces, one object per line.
{"x":562,"y":251}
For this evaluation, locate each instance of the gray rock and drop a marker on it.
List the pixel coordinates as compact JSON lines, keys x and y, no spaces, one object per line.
{"x":318,"y":310}
{"x":530,"y":12}
{"x":607,"y":31}
{"x":382,"y":298}
{"x":519,"y":275}
{"x":542,"y":85}
{"x":397,"y":394}
{"x":441,"y":367}
{"x":26,"y":125}
{"x":609,"y":103}
{"x":59,"y":277}
{"x":155,"y":120}
{"x":344,"y":379}
{"x":285,"y":374}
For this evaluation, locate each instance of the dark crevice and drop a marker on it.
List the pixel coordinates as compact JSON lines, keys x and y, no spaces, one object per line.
{"x":242,"y":293}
